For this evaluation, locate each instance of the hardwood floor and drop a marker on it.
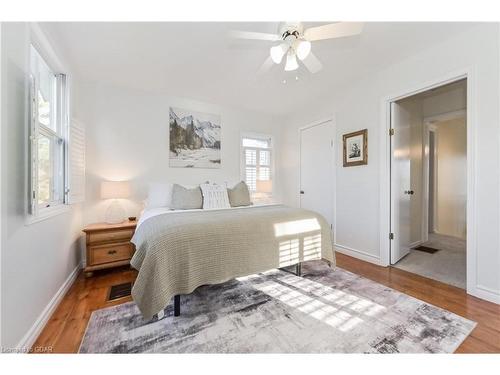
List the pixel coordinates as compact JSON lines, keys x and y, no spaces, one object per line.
{"x":66,"y":327}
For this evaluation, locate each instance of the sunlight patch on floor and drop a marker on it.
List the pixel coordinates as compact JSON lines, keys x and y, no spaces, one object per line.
{"x":335,"y":296}
{"x":316,"y":308}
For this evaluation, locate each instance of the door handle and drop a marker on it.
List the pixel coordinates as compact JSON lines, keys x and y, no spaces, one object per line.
{"x":302,"y":192}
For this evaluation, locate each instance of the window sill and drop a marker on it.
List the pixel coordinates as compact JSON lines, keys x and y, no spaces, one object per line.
{"x":47,"y":213}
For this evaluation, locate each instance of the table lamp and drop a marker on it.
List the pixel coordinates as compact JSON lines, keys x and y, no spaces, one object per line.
{"x":115,"y":190}
{"x":264,"y":186}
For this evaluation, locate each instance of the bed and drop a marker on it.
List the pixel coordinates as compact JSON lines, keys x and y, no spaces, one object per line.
{"x":180,"y":250}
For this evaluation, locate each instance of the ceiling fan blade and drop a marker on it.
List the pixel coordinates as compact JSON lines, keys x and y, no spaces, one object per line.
{"x":254,"y":35}
{"x":333,"y":30}
{"x":265,"y":67}
{"x":312,"y":63}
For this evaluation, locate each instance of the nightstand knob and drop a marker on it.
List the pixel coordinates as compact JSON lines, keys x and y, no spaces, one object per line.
{"x":111,"y":252}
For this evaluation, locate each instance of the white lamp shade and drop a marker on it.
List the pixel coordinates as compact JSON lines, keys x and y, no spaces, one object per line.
{"x":303,"y":49}
{"x":277,"y":52}
{"x":115,"y":189}
{"x":291,"y":62}
{"x":264,"y":186}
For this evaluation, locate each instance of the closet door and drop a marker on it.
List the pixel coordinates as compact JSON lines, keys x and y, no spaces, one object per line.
{"x":316,"y":169}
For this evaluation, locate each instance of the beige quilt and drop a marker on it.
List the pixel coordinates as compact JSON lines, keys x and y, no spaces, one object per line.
{"x":176,"y":252}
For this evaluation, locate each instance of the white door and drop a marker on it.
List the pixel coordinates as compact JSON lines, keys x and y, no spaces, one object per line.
{"x":401,"y":190}
{"x":316,"y":169}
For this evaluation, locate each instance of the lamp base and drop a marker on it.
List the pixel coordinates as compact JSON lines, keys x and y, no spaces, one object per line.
{"x":115,"y":214}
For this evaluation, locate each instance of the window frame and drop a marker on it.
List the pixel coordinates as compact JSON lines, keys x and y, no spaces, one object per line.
{"x":243,"y":164}
{"x":35,"y":211}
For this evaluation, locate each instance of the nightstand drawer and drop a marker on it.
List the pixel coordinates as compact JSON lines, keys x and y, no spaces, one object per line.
{"x":109,"y":236}
{"x":110,"y":253}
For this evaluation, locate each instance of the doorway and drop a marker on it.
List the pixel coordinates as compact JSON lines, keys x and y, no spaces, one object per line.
{"x":316,"y":169}
{"x":429,"y":183}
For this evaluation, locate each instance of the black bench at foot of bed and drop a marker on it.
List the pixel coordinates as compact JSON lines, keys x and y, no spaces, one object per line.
{"x":177,"y":298}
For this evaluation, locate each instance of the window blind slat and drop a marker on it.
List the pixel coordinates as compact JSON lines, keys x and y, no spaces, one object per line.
{"x":76,"y":180}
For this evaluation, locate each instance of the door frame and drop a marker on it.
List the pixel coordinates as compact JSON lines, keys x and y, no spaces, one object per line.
{"x":386,"y":156}
{"x":333,"y":159}
{"x":429,"y":126}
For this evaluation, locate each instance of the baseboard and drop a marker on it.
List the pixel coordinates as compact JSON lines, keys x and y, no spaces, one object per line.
{"x":358,"y":254}
{"x":415,"y":244}
{"x":29,"y":339}
{"x":485,"y":293}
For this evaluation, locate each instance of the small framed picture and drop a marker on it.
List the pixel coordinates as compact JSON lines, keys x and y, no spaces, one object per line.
{"x":356,"y":148}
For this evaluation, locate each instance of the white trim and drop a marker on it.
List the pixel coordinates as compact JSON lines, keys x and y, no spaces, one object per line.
{"x":497,"y":300}
{"x":427,"y":129}
{"x":47,"y":213}
{"x":1,"y":182}
{"x":415,"y":244}
{"x":385,"y":155}
{"x":316,"y":123}
{"x":359,"y":254}
{"x":30,"y":337}
{"x":385,"y":186}
{"x":487,"y":294}
{"x":334,"y":179}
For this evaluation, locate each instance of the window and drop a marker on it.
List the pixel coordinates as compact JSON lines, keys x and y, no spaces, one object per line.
{"x":49,"y":131}
{"x":257,"y":164}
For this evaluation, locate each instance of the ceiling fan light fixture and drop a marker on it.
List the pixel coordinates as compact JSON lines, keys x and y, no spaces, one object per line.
{"x":277,"y":52}
{"x":303,"y":49}
{"x":291,"y":62}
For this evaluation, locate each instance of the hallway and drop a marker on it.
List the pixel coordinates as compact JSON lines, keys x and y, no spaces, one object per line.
{"x":447,"y":265}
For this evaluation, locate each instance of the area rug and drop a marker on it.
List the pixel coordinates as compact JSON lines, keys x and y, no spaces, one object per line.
{"x":325,"y":311}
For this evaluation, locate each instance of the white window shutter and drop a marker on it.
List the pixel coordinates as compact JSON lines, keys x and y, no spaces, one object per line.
{"x":76,"y":172}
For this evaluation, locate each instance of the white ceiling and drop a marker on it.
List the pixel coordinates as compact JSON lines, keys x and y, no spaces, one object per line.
{"x":199,"y":61}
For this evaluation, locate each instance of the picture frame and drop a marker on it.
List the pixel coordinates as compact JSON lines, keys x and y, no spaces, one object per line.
{"x":355,"y":148}
{"x":194,"y":139}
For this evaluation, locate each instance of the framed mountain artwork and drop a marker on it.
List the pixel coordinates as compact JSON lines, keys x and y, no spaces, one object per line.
{"x":194,"y":139}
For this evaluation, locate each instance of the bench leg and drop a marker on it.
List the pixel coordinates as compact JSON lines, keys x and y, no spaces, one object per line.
{"x":298,"y":269}
{"x":177,"y":305}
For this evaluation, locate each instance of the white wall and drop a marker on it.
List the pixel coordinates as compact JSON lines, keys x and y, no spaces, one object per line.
{"x":358,"y":106}
{"x":128,"y":139}
{"x":451,"y":178}
{"x":36,"y":259}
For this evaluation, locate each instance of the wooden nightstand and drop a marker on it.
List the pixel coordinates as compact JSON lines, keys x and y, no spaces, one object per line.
{"x":108,"y":245}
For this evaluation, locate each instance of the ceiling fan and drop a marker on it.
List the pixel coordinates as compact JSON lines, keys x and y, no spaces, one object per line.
{"x":295,"y":42}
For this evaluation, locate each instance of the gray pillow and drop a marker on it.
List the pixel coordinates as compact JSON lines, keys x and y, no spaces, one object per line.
{"x":239,"y":195}
{"x":186,"y":199}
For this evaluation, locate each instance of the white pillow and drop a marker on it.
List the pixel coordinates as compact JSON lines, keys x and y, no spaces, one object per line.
{"x":159,"y":195}
{"x":214,"y":196}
